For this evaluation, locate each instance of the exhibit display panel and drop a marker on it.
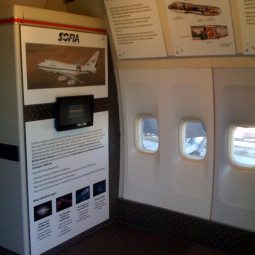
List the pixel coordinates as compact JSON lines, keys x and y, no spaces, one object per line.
{"x":57,"y":154}
{"x":67,"y":177}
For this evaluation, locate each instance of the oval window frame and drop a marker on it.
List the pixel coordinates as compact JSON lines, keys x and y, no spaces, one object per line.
{"x":181,"y":143}
{"x":138,"y":133}
{"x":231,"y":141}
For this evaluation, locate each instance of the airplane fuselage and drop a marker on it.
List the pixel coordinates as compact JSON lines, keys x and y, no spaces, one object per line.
{"x":68,"y":72}
{"x":57,"y":66}
{"x":186,"y":8}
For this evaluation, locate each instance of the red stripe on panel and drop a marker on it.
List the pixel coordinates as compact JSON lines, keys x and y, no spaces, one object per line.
{"x":49,"y":24}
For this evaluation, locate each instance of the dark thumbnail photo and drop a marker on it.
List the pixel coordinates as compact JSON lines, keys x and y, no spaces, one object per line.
{"x":99,"y":188}
{"x":63,"y":202}
{"x":43,"y":210}
{"x":82,"y":195}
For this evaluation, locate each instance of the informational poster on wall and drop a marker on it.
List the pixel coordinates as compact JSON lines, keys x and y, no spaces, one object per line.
{"x":201,"y":27}
{"x":67,"y":171}
{"x":71,"y":60}
{"x":67,"y":180}
{"x":136,"y":28}
{"x":247,"y":18}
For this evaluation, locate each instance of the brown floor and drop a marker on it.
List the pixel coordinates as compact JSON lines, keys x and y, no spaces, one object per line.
{"x":122,"y":239}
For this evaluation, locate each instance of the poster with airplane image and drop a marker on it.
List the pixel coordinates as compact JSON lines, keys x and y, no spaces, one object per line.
{"x":200,"y":27}
{"x":54,"y":66}
{"x":63,"y":165}
{"x":71,"y":60}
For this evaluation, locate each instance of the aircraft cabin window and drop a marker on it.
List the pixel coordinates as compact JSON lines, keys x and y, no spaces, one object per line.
{"x":242,"y":145}
{"x":146,"y":134}
{"x":192,"y":139}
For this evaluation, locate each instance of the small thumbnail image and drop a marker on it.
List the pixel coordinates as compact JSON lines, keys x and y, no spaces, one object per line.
{"x":82,"y":194}
{"x":63,"y":202}
{"x":43,"y":210}
{"x":99,"y":188}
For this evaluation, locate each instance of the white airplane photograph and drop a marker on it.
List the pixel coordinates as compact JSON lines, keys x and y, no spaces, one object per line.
{"x":57,"y":66}
{"x":68,"y":72}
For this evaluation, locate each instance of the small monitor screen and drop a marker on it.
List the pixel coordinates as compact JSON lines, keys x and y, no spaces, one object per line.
{"x":74,"y":112}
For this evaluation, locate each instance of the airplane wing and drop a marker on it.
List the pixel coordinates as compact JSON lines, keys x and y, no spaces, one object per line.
{"x":70,"y":76}
{"x":91,"y":72}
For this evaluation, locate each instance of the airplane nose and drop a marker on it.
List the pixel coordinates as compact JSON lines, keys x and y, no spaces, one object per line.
{"x":40,"y":64}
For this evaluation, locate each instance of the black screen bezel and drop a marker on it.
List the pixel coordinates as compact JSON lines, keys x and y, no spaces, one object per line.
{"x":64,"y":122}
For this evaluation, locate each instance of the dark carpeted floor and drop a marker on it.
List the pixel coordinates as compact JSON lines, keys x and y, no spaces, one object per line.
{"x":122,"y":239}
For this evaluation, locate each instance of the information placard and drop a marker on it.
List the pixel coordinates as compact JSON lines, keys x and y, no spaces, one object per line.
{"x":67,"y":176}
{"x":54,"y":59}
{"x":201,"y":27}
{"x":136,"y":28}
{"x":247,"y":18}
{"x":67,"y":171}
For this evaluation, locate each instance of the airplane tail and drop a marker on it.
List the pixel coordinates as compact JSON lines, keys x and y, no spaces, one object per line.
{"x":92,"y":63}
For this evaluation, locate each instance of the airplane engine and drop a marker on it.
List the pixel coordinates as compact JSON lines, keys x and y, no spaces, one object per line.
{"x":62,"y":78}
{"x":71,"y":82}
